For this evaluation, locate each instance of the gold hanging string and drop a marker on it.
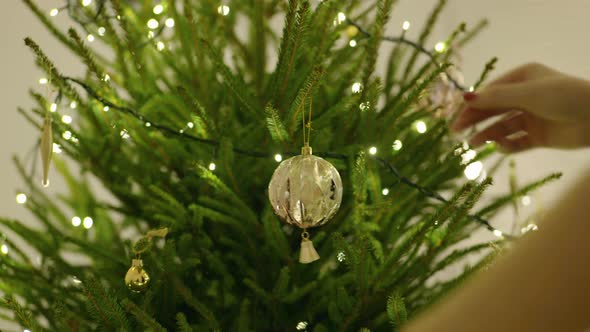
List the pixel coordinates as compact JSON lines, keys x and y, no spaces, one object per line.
{"x":306,"y":127}
{"x":301,"y":109}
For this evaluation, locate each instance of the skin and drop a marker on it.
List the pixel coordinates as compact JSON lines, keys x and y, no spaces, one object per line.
{"x":552,"y":108}
{"x":543,"y":282}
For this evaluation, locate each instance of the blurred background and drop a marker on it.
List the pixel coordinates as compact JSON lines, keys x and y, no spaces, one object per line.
{"x":550,"y":32}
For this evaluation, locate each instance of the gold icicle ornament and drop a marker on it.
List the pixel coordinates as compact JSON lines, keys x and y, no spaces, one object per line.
{"x":46,"y":148}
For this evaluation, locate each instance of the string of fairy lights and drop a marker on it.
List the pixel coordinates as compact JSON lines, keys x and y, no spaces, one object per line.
{"x":474,"y":170}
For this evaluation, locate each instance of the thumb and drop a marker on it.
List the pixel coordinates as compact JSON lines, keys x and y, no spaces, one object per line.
{"x":506,"y":96}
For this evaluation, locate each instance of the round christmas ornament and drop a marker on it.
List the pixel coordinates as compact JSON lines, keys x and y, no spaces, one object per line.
{"x":305,"y":191}
{"x":137,"y":279}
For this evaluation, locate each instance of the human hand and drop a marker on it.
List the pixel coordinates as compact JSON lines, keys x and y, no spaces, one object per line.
{"x":541,"y":107}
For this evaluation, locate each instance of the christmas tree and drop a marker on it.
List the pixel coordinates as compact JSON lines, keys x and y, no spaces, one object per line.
{"x":184,"y":115}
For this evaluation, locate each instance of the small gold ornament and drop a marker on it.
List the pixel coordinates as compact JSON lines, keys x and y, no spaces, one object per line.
{"x":352,"y":31}
{"x":137,"y":279}
{"x":308,"y":253}
{"x":46,"y":148}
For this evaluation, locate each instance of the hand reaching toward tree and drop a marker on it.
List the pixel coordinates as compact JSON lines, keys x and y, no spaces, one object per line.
{"x":539,"y":107}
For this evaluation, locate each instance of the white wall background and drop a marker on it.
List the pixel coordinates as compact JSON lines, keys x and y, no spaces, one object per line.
{"x":551,"y":32}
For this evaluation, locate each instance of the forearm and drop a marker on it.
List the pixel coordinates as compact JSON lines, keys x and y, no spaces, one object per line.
{"x":542,"y":284}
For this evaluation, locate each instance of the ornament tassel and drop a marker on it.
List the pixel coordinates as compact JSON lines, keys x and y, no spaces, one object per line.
{"x":308,"y":253}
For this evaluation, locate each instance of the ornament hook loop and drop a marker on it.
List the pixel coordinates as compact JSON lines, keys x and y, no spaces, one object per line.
{"x":305,"y":235}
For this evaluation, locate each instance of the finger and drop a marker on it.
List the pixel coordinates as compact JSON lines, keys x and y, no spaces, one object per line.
{"x":516,"y":144}
{"x":519,"y":74}
{"x":510,"y":96}
{"x":470,"y":116}
{"x":500,"y":130}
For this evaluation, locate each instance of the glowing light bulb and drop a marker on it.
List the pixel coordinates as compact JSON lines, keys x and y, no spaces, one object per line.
{"x":528,"y":228}
{"x":106,"y":109}
{"x":385,"y":191}
{"x":397,"y":145}
{"x":278,"y":158}
{"x":88,"y":222}
{"x":190,"y":125}
{"x":76,"y":221}
{"x":406,"y":25}
{"x":301,"y":326}
{"x":124,"y":134}
{"x":373,"y":150}
{"x":169,"y":22}
{"x":526,"y":200}
{"x":212,"y":166}
{"x":420,"y":127}
{"x":147,"y":124}
{"x":4,"y":249}
{"x":352,"y":43}
{"x":473,"y":170}
{"x":498,"y":233}
{"x":440,"y":47}
{"x":66,"y":119}
{"x":57,"y":148}
{"x":153,"y":23}
{"x":471,"y":88}
{"x":53,"y":12}
{"x":101,"y":31}
{"x":468,"y":156}
{"x":43,"y":81}
{"x":90,"y":37}
{"x":356,"y":87}
{"x":53,"y":107}
{"x":365,"y":106}
{"x":21,"y":198}
{"x":66,"y":135}
{"x":341,"y":17}
{"x":160,"y":46}
{"x":223,"y":10}
{"x":86,"y":3}
{"x":73,"y":105}
{"x":158,"y":9}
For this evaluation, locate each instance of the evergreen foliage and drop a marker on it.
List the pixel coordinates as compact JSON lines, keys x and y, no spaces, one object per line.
{"x":164,"y":104}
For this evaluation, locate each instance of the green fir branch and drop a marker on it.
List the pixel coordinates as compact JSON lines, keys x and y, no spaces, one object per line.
{"x":275,"y":125}
{"x":426,"y":31}
{"x":142,"y":317}
{"x":396,"y":310}
{"x":507,"y":199}
{"x":491,"y":65}
{"x":183,"y":325}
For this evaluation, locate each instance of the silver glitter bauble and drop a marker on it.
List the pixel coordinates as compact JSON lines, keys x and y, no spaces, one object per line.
{"x":305,"y":190}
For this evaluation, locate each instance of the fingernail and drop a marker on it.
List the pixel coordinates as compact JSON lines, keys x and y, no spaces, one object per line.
{"x":469,"y":96}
